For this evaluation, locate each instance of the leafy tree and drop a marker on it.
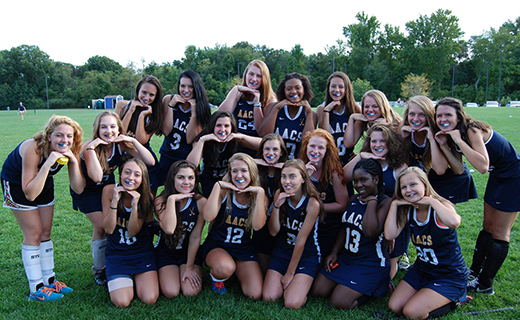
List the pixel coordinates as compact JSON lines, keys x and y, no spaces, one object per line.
{"x":414,"y":85}
{"x":360,"y":87}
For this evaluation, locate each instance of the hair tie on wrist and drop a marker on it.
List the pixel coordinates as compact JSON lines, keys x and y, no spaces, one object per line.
{"x":276,"y":207}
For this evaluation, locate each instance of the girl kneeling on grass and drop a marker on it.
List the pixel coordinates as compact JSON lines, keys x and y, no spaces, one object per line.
{"x":437,"y":279}
{"x":27,"y":181}
{"x":235,"y":206}
{"x":296,"y":256}
{"x":179,"y":210}
{"x":358,"y":267}
{"x":127,"y":210}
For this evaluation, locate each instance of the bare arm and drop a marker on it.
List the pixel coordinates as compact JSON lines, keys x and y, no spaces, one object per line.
{"x":340,"y":194}
{"x":375,"y":216}
{"x":476,"y":153}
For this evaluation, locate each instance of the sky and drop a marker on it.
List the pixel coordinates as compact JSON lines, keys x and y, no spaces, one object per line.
{"x":160,"y":30}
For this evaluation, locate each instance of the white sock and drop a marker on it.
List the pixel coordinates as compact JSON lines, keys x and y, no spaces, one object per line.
{"x":215,"y":279}
{"x":47,"y":262}
{"x":98,"y":254}
{"x":31,"y":264}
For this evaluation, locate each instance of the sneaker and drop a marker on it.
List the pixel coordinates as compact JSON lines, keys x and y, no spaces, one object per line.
{"x":391,"y":287}
{"x":100,"y":277}
{"x":218,"y":287}
{"x":472,"y":275}
{"x":59,"y":287}
{"x":45,"y":294}
{"x":404,"y":262}
{"x":475,"y":286}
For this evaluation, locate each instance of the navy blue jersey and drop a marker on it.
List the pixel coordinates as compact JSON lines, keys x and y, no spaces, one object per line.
{"x":438,"y":250}
{"x":504,"y":160}
{"x":12,"y":168}
{"x":359,"y":248}
{"x":417,"y":152}
{"x":244,"y":116}
{"x":338,"y":126}
{"x":295,"y":216}
{"x":229,"y":229}
{"x":119,"y":243}
{"x":210,"y":174}
{"x":166,"y":245}
{"x":114,"y":161}
{"x":290,"y":129}
{"x":328,"y":228}
{"x":389,"y":180}
{"x":175,"y":145}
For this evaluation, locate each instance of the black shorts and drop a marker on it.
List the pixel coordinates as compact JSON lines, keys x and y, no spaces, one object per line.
{"x":14,"y":197}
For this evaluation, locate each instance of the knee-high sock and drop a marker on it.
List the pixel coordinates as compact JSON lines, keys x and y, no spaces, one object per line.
{"x":495,"y":258}
{"x":47,"y":261}
{"x":98,"y":254}
{"x":484,"y":241}
{"x":31,"y":264}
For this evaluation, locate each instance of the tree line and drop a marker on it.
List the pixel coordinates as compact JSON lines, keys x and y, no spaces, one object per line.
{"x":429,"y":58}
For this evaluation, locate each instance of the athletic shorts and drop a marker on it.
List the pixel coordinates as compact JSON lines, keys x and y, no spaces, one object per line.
{"x":453,"y":289}
{"x":168,"y":258}
{"x":242,"y":252}
{"x":308,"y":265}
{"x":503,"y":193}
{"x":368,"y":279}
{"x":118,"y":265}
{"x":87,"y":203}
{"x":14,"y":197}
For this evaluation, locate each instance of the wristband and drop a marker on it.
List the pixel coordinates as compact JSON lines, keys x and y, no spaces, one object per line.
{"x":327,"y":111}
{"x":259,"y":104}
{"x":113,"y":208}
{"x":90,"y":149}
{"x":276,"y":207}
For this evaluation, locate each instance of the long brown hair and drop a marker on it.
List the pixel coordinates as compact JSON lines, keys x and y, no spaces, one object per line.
{"x":169,"y":189}
{"x":146,"y":200}
{"x":307,"y":187}
{"x":348,"y":100}
{"x":395,"y":156}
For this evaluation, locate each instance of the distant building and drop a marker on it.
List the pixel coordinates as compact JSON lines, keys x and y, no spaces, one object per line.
{"x":111,"y":101}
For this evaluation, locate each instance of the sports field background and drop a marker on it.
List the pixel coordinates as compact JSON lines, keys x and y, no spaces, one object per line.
{"x":72,"y":232}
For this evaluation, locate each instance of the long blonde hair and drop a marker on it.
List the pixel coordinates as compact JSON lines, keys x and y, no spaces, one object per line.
{"x":402,"y":211}
{"x":255,"y":181}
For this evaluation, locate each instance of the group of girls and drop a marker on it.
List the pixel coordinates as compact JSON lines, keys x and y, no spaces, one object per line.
{"x":291,"y":208}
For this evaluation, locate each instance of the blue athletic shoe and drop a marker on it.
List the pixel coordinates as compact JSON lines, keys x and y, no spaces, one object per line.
{"x":218,"y":287}
{"x":45,"y":294}
{"x":59,"y":287}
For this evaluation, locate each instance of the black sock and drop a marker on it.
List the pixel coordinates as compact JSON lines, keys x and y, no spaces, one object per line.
{"x":496,"y":256}
{"x":439,"y":312}
{"x":481,"y":250}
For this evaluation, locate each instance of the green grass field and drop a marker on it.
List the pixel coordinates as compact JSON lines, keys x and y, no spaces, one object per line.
{"x":73,"y":260}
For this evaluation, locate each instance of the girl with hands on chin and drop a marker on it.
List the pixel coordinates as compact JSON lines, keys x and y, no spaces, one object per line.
{"x":320,"y":154}
{"x":142,"y":118}
{"x":335,"y":112}
{"x":292,"y":116}
{"x":185,"y":115}
{"x":100,"y":157}
{"x":486,"y":150}
{"x":128,"y":212}
{"x":358,"y":266}
{"x":375,"y":108}
{"x":215,"y":145}
{"x":27,"y":182}
{"x":294,"y":219}
{"x":417,"y":130}
{"x":248,"y":101}
{"x":271,"y":156}
{"x":179,"y":212}
{"x":437,"y":280}
{"x":235,"y":206}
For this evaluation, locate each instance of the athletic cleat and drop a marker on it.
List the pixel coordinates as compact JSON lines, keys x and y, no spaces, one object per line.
{"x":59,"y":287}
{"x":475,"y":286}
{"x":45,"y":294}
{"x":100,"y":278}
{"x":404,"y":262}
{"x":218,"y":287}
